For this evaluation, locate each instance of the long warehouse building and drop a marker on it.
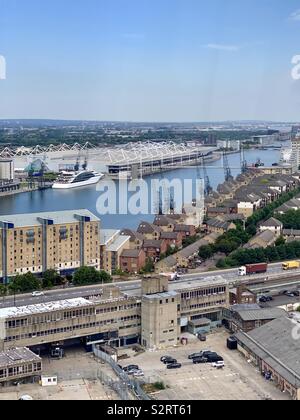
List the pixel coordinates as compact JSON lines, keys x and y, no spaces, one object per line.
{"x":154,"y":316}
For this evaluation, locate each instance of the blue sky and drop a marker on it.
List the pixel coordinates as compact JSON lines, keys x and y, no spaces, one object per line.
{"x":150,"y":60}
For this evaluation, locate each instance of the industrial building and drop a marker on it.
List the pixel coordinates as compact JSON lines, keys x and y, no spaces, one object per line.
{"x":127,"y":161}
{"x":274,"y":349}
{"x":19,"y":364}
{"x":7,"y":176}
{"x":154,"y":316}
{"x":63,"y":241}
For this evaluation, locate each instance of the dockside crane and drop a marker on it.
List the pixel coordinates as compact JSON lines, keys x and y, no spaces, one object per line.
{"x":244,"y":163}
{"x":208,"y":188}
{"x":227,"y":170}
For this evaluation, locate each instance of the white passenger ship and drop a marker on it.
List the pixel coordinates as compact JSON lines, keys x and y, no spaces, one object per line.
{"x":68,"y":180}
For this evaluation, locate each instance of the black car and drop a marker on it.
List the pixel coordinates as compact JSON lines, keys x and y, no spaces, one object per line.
{"x":174,"y":366}
{"x":194,"y":356}
{"x":214,"y":358}
{"x":200,"y":360}
{"x":202,"y":337}
{"x":131,"y":368}
{"x":162,"y":359}
{"x":208,"y":353}
{"x":170,"y":361}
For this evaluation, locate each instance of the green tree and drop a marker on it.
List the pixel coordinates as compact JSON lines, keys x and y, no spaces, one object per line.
{"x":50,"y":279}
{"x":206,"y":252}
{"x":280,"y":241}
{"x":149,"y":266}
{"x":3,"y":291}
{"x":25,"y":283}
{"x":89,"y":275}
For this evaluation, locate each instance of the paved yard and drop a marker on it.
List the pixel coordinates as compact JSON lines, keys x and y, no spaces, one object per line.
{"x":77,"y":389}
{"x":238,"y":381}
{"x":77,"y":380}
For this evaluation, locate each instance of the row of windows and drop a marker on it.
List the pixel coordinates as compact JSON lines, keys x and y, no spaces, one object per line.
{"x":117,"y":308}
{"x":129,"y":327}
{"x":70,"y":329}
{"x":204,"y":292}
{"x":39,"y":320}
{"x":208,"y":304}
{"x":20,"y":370}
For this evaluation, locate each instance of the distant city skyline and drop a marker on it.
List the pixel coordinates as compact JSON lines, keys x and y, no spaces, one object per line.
{"x":150,"y":61}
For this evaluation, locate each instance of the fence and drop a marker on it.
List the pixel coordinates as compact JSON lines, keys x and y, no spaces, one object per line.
{"x":127,"y":388}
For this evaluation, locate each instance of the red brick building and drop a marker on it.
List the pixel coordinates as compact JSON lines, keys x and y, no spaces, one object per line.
{"x":132,"y":260}
{"x":187,"y":231}
{"x":154,"y":249}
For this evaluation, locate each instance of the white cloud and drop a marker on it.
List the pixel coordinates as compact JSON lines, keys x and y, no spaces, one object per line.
{"x":295,"y":15}
{"x":222,"y":47}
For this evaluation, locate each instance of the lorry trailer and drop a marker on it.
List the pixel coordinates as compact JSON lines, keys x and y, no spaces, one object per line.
{"x":250,"y":269}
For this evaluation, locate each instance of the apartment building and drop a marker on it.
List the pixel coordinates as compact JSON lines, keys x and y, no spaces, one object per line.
{"x":153,"y":315}
{"x":63,"y":241}
{"x":112,"y":245}
{"x":132,"y":260}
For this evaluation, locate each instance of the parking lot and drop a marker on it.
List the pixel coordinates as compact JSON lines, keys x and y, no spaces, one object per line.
{"x":237,"y":381}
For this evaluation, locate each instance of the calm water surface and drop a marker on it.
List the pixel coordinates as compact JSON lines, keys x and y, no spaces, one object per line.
{"x":52,"y":200}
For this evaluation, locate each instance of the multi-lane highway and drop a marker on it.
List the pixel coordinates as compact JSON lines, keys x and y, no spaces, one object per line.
{"x":274,"y":272}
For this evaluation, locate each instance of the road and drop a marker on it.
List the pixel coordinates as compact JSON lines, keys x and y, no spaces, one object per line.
{"x":230,"y":275}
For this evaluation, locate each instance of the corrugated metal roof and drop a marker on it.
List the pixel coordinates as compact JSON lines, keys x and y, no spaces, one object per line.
{"x":274,"y":343}
{"x":261,"y":314}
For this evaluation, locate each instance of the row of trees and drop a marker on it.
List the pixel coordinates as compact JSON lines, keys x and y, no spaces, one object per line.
{"x":28,"y":282}
{"x":226,"y":243}
{"x":288,"y":251}
{"x":290,"y":220}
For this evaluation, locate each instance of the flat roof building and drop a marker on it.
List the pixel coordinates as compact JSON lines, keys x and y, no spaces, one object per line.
{"x":19,"y":363}
{"x":153,"y":315}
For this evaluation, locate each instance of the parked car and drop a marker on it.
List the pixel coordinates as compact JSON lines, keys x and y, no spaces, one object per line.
{"x":200,"y":360}
{"x":265,"y":299}
{"x":206,"y":353}
{"x":214,"y":358}
{"x":37,"y":294}
{"x":194,"y":356}
{"x":162,"y":359}
{"x":218,"y":365}
{"x":25,"y":398}
{"x":138,"y":374}
{"x":174,"y":366}
{"x":131,"y":368}
{"x":202,"y":337}
{"x":170,"y":361}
